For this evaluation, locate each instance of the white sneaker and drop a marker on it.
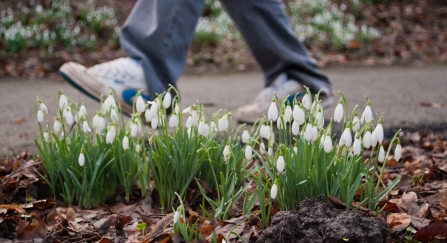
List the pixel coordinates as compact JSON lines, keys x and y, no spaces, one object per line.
{"x":124,"y":75}
{"x":283,"y":87}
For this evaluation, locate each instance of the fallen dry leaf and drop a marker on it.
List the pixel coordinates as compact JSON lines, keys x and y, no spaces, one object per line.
{"x":398,"y":221}
{"x":434,"y":231}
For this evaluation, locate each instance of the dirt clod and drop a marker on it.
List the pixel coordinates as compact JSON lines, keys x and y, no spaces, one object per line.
{"x":317,"y":220}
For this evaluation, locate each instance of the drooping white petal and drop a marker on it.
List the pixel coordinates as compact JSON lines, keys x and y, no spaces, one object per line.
{"x":381,"y":157}
{"x":379,"y":132}
{"x":46,"y":136}
{"x":63,"y":102}
{"x":154,"y":122}
{"x":194,"y":118}
{"x":367,"y":114}
{"x":176,"y":217}
{"x":295,"y":128}
{"x":188,"y":123}
{"x":68,"y":116}
{"x":338,"y":113}
{"x":314,"y":133}
{"x":101,"y":124}
{"x":134,"y":130}
{"x":173,"y":121}
{"x":111,"y":133}
{"x":273,"y":191}
{"x":306,"y":101}
{"x":267,"y":132}
{"x":280,"y":164}
{"x":167,"y":100}
{"x":346,"y":138}
{"x":287,"y":114}
{"x":327,"y":144}
{"x":86,"y":127}
{"x":226,"y":151}
{"x":40,"y":116}
{"x":270,"y":151}
{"x":373,"y":138}
{"x":222,"y":124}
{"x":138,"y":148}
{"x":320,"y":119}
{"x":125,"y":142}
{"x":81,"y":159}
{"x":272,"y":114}
{"x":355,"y":124}
{"x":113,"y":115}
{"x":43,"y":107}
{"x":245,"y":136}
{"x":82,"y":111}
{"x":298,"y":115}
{"x":262,"y":148}
{"x":108,"y":103}
{"x":398,"y":152}
{"x":140,"y":105}
{"x":367,"y":139}
{"x":187,"y":110}
{"x":248,"y":152}
{"x":357,"y":146}
{"x":201,"y":129}
{"x":308,"y":133}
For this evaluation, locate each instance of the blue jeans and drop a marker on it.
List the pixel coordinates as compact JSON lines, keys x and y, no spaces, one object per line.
{"x":159,"y":33}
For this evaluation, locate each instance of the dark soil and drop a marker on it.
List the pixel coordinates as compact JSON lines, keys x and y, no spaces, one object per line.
{"x":317,"y":220}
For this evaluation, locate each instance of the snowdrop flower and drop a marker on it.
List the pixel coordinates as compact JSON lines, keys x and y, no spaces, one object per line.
{"x":82,"y":111}
{"x":173,"y":121}
{"x":367,"y":139}
{"x":327,"y":144}
{"x":280,"y":123}
{"x":280,"y":164}
{"x":398,"y":151}
{"x":85,"y":127}
{"x":308,"y":133}
{"x":248,"y":152}
{"x":194,"y":118}
{"x":270,"y":151}
{"x":274,"y":191}
{"x":46,"y":136}
{"x":287,"y":114}
{"x":63,"y":102}
{"x":68,"y":116}
{"x":167,"y":100}
{"x":139,"y":104}
{"x":357,"y":145}
{"x":113,"y":114}
{"x":138,"y":148}
{"x":322,"y":140}
{"x":295,"y":128}
{"x":262,"y":148}
{"x":43,"y":107}
{"x":320,"y":118}
{"x":134,"y":130}
{"x":188,"y":123}
{"x":176,"y":217}
{"x":373,"y":138}
{"x":57,"y":126}
{"x":367,"y":115}
{"x":111,"y":133}
{"x":356,"y":123}
{"x":272,"y":114}
{"x":338,"y":113}
{"x":101,"y":124}
{"x":245,"y":136}
{"x":153,"y":111}
{"x":213,"y":126}
{"x":187,"y":110}
{"x":81,"y":159}
{"x":379,"y":131}
{"x":381,"y":154}
{"x":262,"y":131}
{"x":108,"y":103}
{"x":226,"y":151}
{"x":267,"y":132}
{"x":222,"y":124}
{"x":298,"y":115}
{"x":40,"y":116}
{"x":203,"y":129}
{"x":314,"y":133}
{"x":154,"y":122}
{"x":125,"y":142}
{"x":346,"y":138}
{"x":306,"y":101}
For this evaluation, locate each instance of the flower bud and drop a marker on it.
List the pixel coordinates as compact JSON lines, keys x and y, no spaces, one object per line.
{"x":63,"y":102}
{"x":280,"y":164}
{"x":46,"y":136}
{"x":40,"y":116}
{"x":379,"y":132}
{"x":367,"y":140}
{"x":173,"y":121}
{"x":81,"y":159}
{"x":85,"y":127}
{"x":272,"y":114}
{"x":245,"y":136}
{"x":273,"y":191}
{"x":167,"y":100}
{"x":194,"y":118}
{"x":346,"y":138}
{"x":287,"y":114}
{"x":113,"y":115}
{"x":314,"y":133}
{"x":373,"y":138}
{"x":154,"y":122}
{"x":138,"y":148}
{"x":125,"y":142}
{"x":308,"y":132}
{"x":327,"y":144}
{"x":248,"y":152}
{"x":134,"y":130}
{"x":176,"y":217}
{"x":57,"y":126}
{"x":108,"y":103}
{"x":381,"y":157}
{"x":262,"y":148}
{"x":111,"y":133}
{"x":295,"y":128}
{"x":338,"y":113}
{"x":68,"y":116}
{"x":226,"y":151}
{"x":298,"y":115}
{"x":306,"y":101}
{"x":398,"y":151}
{"x":222,"y":124}
{"x":357,"y":145}
{"x":140,"y":105}
{"x":43,"y":107}
{"x":356,"y":124}
{"x":367,"y":115}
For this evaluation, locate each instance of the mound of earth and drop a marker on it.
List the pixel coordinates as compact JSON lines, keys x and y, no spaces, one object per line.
{"x":317,"y":220}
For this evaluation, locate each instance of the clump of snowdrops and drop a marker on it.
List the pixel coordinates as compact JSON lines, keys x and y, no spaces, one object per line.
{"x":85,"y":159}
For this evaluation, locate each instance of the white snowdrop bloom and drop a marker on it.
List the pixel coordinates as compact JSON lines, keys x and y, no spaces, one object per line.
{"x":295,"y":149}
{"x":320,"y":119}
{"x":108,"y":103}
{"x":147,"y":114}
{"x":213,"y":126}
{"x":280,"y":164}
{"x":40,"y":116}
{"x":86,"y":127}
{"x":125,"y":142}
{"x":270,"y":151}
{"x":381,"y":157}
{"x":272,"y":114}
{"x":245,"y":136}
{"x":167,"y":100}
{"x":306,"y":101}
{"x":203,"y":129}
{"x":267,"y":132}
{"x":82,"y":111}
{"x":111,"y":133}
{"x":367,"y":115}
{"x":138,"y":148}
{"x":68,"y":116}
{"x":187,"y":110}
{"x":295,"y":128}
{"x":314,"y":133}
{"x":134,"y":130}
{"x":357,"y":146}
{"x":226,"y":151}
{"x":113,"y":114}
{"x":338,"y":113}
{"x":57,"y":126}
{"x":346,"y":138}
{"x":248,"y":152}
{"x":327,"y":144}
{"x":81,"y":159}
{"x":298,"y":115}
{"x":287,"y":114}
{"x":273,"y":191}
{"x":154,"y":122}
{"x":373,"y":138}
{"x":46,"y":136}
{"x":398,"y":152}
{"x":322,"y":140}
{"x":140,"y":105}
{"x":367,"y":140}
{"x":280,"y":123}
{"x":308,"y":133}
{"x":262,"y":130}
{"x":262,"y":148}
{"x":355,"y":124}
{"x":222,"y":124}
{"x":379,"y":132}
{"x":95,"y":120}
{"x":194,"y":118}
{"x":43,"y":107}
{"x":176,"y":217}
{"x":188,"y":123}
{"x":101,"y":124}
{"x":153,"y":111}
{"x":173,"y":121}
{"x":63,"y":102}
